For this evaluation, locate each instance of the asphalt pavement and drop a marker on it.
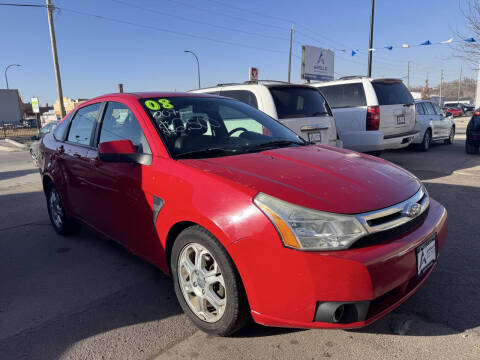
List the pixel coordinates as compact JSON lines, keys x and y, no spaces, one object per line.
{"x":85,"y":297}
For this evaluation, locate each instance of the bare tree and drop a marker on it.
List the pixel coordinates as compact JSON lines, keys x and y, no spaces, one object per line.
{"x":469,"y":51}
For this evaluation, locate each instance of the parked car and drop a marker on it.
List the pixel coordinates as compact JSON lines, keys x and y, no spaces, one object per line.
{"x":299,"y":107}
{"x":372,"y":115}
{"x":472,"y":143}
{"x":452,"y":111}
{"x":432,"y":125}
{"x":34,"y":147}
{"x":466,"y":109}
{"x":250,"y":223}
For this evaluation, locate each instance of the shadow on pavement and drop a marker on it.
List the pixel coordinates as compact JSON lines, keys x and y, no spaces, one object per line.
{"x":5,"y":175}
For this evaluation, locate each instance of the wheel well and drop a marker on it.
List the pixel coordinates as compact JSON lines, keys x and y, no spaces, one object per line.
{"x":47,"y":183}
{"x":174,"y":231}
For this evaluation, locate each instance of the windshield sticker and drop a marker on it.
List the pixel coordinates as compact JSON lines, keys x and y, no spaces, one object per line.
{"x":162,"y":103}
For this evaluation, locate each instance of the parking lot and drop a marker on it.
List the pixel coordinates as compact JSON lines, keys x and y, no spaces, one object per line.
{"x":85,"y":297}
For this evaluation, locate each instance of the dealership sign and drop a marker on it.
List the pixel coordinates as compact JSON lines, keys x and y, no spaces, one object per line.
{"x":317,"y":63}
{"x":35,"y":105}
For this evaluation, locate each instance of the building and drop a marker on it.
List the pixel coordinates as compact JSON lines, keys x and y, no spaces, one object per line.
{"x":10,"y":106}
{"x":69,"y":104}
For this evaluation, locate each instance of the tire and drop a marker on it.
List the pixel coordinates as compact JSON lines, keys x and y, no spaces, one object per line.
{"x":426,"y":142}
{"x":470,"y":149}
{"x":451,"y":137}
{"x":192,"y":287}
{"x":62,"y":224}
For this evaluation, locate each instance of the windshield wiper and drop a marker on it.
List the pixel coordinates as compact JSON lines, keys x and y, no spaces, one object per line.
{"x":275,"y":144}
{"x":205,"y":152}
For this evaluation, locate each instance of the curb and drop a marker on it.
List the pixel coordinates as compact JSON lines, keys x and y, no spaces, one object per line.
{"x":17,"y":144}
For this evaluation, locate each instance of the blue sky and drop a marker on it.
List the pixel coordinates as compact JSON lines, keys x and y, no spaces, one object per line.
{"x":97,"y":54}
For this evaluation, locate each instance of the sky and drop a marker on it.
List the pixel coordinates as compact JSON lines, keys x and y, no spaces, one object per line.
{"x":141,"y":43}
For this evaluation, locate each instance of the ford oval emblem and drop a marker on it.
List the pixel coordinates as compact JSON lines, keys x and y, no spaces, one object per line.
{"x":412,"y":209}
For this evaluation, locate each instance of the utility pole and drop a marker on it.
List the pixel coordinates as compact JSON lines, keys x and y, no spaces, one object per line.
{"x":459,"y":85}
{"x":440,"y":92}
{"x":477,"y":93}
{"x":408,"y":76}
{"x":290,"y":54}
{"x":370,"y":47}
{"x":50,"y":9}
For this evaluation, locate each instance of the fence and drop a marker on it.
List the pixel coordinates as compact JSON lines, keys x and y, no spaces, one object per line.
{"x":17,"y":131}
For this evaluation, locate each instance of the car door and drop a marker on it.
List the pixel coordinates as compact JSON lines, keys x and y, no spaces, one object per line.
{"x":75,"y":154}
{"x":443,"y":123}
{"x":124,"y":189}
{"x":434,"y":118}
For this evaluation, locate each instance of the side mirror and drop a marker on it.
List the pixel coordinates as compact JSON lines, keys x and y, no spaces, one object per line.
{"x":122,"y":151}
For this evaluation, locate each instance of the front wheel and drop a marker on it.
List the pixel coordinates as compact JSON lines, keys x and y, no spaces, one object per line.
{"x":207,"y":283}
{"x":451,"y":136}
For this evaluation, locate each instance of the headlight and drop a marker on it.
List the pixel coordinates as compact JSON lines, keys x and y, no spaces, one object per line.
{"x":306,"y":229}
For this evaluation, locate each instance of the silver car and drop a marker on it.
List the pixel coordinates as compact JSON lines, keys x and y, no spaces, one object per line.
{"x":432,"y":125}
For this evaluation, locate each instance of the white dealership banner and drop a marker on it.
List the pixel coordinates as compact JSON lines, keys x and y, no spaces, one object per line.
{"x":35,"y":105}
{"x":317,"y":63}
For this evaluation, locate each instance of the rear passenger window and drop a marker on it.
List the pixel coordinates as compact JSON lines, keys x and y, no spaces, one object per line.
{"x":61,"y":129}
{"x":343,"y":96}
{"x":119,"y":123}
{"x":244,"y":96}
{"x":429,"y":110}
{"x":420,"y":109}
{"x":83,"y":124}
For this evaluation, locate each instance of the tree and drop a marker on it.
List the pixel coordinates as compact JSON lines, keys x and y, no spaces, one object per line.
{"x":470,"y":51}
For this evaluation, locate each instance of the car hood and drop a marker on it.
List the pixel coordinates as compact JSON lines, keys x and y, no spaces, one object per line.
{"x":317,"y":177}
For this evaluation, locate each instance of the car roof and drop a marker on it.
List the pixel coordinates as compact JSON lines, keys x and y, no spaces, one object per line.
{"x":260,"y":83}
{"x":149,"y":94}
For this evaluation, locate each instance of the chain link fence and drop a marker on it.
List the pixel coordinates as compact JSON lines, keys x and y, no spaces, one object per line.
{"x":17,"y":131}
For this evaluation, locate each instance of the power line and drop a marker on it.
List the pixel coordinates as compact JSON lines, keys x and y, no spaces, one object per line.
{"x":125,"y":22}
{"x":169,"y":14}
{"x":23,"y":5}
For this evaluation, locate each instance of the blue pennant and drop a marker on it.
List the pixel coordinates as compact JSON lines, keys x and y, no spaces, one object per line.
{"x":426,"y":43}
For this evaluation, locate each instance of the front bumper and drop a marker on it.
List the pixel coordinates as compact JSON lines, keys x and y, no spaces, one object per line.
{"x":285,"y":287}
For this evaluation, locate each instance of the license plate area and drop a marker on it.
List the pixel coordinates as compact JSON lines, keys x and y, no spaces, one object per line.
{"x":426,"y":255}
{"x":314,"y":136}
{"x":401,"y":120}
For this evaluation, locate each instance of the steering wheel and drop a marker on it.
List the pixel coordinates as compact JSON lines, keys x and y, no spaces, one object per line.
{"x":235,"y":130}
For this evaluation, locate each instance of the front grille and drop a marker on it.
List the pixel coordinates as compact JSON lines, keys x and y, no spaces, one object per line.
{"x":397,"y":220}
{"x":390,"y":234}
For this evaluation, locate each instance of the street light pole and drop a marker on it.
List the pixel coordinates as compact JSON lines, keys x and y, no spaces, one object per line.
{"x":198,"y":65}
{"x":6,"y":78}
{"x":53,"y":40}
{"x":370,"y":47}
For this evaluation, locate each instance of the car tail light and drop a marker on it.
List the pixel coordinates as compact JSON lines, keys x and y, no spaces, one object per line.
{"x":476,"y":113}
{"x":373,"y":117}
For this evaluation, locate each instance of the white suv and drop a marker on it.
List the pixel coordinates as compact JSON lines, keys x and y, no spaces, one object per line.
{"x":371,"y":114}
{"x":301,"y":108}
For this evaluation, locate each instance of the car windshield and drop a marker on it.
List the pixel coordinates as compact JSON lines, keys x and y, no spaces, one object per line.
{"x":296,"y":102}
{"x":201,"y":127}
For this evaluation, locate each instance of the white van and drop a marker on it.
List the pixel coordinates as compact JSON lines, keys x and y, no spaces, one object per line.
{"x":371,"y":114}
{"x":301,"y":108}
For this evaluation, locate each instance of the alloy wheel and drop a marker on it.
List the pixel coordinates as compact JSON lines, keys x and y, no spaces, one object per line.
{"x":201,"y":282}
{"x":55,"y":206}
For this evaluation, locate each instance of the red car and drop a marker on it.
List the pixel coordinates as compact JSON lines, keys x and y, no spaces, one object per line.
{"x":452,"y":111}
{"x":250,"y":220}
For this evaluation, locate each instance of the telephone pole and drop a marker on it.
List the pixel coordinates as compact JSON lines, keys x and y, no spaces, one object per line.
{"x":459,"y":85}
{"x":370,"y":47}
{"x":290,"y":54}
{"x":440,"y":92}
{"x":408,"y":76}
{"x":53,"y":40}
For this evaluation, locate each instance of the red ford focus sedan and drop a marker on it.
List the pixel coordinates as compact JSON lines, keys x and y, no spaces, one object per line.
{"x":249,"y":219}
